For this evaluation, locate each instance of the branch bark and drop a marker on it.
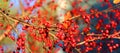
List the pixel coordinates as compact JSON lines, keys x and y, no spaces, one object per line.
{"x":7,"y":31}
{"x":97,"y":38}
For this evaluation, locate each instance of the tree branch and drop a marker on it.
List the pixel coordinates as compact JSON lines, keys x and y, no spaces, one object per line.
{"x":7,"y":31}
{"x":97,"y":38}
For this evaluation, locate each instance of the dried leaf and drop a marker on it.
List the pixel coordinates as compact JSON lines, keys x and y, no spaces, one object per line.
{"x":116,"y":1}
{"x":67,"y":16}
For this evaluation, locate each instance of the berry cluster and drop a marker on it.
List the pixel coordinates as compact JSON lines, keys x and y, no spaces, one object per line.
{"x":21,"y":42}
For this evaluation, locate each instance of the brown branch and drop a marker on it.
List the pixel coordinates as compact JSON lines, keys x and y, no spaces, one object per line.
{"x":97,"y":38}
{"x":7,"y":31}
{"x":78,"y":50}
{"x":81,"y":43}
{"x":94,"y":35}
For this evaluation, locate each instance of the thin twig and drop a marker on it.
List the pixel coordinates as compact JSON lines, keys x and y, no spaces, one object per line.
{"x":78,"y":50}
{"x":109,"y":36}
{"x":7,"y":31}
{"x":9,"y":23}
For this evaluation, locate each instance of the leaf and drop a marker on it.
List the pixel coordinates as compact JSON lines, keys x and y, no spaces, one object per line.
{"x":116,"y":1}
{"x":67,"y":16}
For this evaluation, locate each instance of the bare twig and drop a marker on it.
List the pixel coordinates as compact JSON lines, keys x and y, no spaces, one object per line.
{"x":109,"y":36}
{"x":8,"y":21}
{"x":7,"y":31}
{"x":78,"y":50}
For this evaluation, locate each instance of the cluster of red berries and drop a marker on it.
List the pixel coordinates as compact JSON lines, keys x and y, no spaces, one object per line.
{"x":69,"y":35}
{"x":68,"y":31}
{"x":21,"y":42}
{"x":112,"y":46}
